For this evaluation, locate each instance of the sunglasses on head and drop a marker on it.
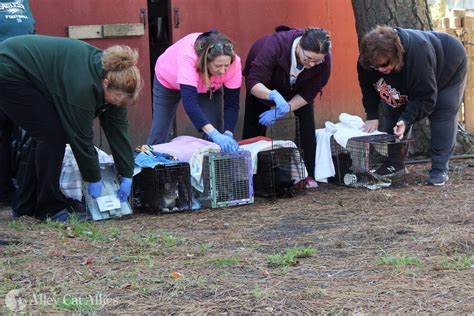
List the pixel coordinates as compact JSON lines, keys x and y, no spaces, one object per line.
{"x":222,"y":48}
{"x":385,"y":65}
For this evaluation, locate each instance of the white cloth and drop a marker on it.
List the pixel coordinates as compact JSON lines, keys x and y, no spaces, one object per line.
{"x":348,"y":127}
{"x":195,"y":165}
{"x":324,"y":168}
{"x":263,"y":145}
{"x":70,"y":181}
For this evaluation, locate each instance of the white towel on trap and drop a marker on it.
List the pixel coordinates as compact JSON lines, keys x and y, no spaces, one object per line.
{"x":348,"y":126}
{"x":263,"y":145}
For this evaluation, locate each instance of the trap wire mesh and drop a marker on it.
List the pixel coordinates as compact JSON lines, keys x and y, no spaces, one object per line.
{"x":164,"y":188}
{"x":286,"y":128}
{"x":374,"y":161}
{"x":227,"y":179}
{"x":280,"y":171}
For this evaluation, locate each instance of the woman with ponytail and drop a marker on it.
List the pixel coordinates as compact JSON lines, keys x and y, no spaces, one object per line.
{"x":203,"y":70}
{"x":284,"y":72}
{"x":54,"y":88}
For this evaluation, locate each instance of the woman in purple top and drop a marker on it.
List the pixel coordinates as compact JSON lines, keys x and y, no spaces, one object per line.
{"x":287,"y":69}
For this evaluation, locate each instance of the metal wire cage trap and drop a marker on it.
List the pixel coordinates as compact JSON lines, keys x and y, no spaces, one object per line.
{"x":279,"y":170}
{"x":282,"y":167}
{"x":373,"y":161}
{"x":286,"y":128}
{"x":164,"y":188}
{"x":227,"y":179}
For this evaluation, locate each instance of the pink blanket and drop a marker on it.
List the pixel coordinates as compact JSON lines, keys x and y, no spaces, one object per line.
{"x":182,"y":147}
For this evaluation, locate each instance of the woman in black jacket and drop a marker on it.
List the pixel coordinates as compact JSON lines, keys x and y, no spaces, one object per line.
{"x":414,"y":74}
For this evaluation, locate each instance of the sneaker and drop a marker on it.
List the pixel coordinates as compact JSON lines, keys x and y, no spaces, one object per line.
{"x":388,"y":170}
{"x":309,"y":183}
{"x":437,"y":177}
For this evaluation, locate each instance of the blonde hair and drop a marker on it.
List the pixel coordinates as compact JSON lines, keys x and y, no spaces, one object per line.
{"x":209,"y":46}
{"x":120,"y":66}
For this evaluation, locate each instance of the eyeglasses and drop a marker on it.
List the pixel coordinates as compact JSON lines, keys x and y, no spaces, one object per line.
{"x":222,"y":48}
{"x":308,"y":59}
{"x":384,"y":65}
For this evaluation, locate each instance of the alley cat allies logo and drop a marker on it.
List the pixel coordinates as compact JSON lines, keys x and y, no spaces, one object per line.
{"x":15,"y":301}
{"x":389,"y":95}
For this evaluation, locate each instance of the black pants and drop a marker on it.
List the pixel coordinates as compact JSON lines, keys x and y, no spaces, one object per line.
{"x":6,"y":184}
{"x":443,"y":120}
{"x":38,"y":192}
{"x":305,"y":115}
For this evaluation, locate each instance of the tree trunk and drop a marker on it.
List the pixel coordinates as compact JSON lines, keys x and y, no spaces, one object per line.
{"x":413,"y":14}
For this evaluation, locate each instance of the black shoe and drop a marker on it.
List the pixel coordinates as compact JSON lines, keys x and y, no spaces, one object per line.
{"x":388,"y":170}
{"x":437,"y":177}
{"x":61,"y":216}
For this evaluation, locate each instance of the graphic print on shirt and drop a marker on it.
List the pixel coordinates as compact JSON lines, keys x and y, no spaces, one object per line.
{"x":15,"y":10}
{"x":390,"y":95}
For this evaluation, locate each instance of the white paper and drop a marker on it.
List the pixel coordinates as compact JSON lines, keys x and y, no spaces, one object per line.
{"x":108,"y":202}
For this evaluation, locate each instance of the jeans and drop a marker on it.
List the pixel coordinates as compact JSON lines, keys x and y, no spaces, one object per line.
{"x":165,"y":104}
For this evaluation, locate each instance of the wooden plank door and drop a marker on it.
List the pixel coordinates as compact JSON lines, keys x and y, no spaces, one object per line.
{"x":53,"y":17}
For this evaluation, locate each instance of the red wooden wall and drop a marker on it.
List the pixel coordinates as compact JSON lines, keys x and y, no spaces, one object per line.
{"x":242,"y":20}
{"x":245,"y":20}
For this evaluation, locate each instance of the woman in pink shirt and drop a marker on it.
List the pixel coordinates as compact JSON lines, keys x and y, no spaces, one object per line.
{"x":203,"y":70}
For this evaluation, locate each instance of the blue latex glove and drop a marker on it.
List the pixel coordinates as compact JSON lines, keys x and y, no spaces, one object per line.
{"x":226,"y":142}
{"x":269,"y":117}
{"x":95,"y":189}
{"x":280,"y":101}
{"x":124,"y":190}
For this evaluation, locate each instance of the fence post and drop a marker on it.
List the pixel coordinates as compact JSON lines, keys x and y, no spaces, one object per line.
{"x":469,"y":92}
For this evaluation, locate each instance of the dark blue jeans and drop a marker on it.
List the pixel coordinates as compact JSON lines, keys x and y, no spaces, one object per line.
{"x":165,"y":104}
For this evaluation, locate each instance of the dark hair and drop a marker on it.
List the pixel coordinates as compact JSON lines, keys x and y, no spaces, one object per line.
{"x":381,"y":42}
{"x":316,"y":40}
{"x":209,"y":46}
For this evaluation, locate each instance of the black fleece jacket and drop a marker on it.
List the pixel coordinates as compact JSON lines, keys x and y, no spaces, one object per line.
{"x":430,"y":60}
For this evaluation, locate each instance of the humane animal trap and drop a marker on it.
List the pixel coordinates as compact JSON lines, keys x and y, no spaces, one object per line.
{"x":278,"y":172}
{"x":373,"y":161}
{"x":227,"y":179}
{"x":106,"y":206}
{"x":164,"y":188}
{"x":286,"y":128}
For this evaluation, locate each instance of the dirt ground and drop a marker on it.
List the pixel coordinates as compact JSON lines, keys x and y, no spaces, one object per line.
{"x":398,"y":250}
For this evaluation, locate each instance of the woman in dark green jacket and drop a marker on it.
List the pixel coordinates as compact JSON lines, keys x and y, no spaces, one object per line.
{"x":54,"y":88}
{"x":15,"y":19}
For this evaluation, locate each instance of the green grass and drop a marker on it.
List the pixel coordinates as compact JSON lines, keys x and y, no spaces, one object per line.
{"x":16,"y":225}
{"x":204,"y":248}
{"x":290,"y":257}
{"x":79,"y":303}
{"x":225,"y":262}
{"x":259,"y":294}
{"x":168,"y":240}
{"x":458,"y":262}
{"x":88,"y":229}
{"x":6,"y":285}
{"x":398,"y":261}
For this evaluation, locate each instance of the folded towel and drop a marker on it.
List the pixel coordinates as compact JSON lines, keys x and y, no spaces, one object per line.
{"x":351,"y":121}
